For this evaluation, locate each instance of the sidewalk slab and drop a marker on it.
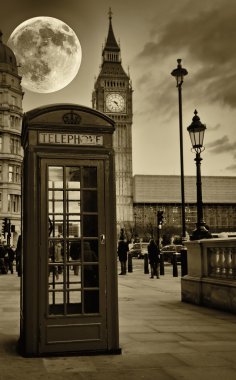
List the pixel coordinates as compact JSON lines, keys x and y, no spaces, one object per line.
{"x":160,"y":337}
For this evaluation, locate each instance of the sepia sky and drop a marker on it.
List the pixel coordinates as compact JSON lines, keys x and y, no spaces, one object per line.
{"x":152,"y":35}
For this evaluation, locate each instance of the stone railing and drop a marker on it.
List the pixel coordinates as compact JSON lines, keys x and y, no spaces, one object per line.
{"x":222,"y":262}
{"x":211,"y":278}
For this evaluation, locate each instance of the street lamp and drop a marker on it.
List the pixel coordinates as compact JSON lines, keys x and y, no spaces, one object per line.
{"x":179,"y":74}
{"x":196,"y":131}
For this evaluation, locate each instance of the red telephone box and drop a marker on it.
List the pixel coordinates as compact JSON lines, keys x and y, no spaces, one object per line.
{"x":69,"y":301}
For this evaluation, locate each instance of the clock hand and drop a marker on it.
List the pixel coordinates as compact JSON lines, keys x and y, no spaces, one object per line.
{"x":115,"y":102}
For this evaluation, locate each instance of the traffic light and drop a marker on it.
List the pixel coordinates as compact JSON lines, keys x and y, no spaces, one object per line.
{"x":160,"y":218}
{"x":4,"y":226}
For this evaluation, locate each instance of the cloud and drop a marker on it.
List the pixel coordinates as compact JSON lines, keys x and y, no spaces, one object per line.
{"x":222,"y":145}
{"x":207,"y":36}
{"x":218,"y":142}
{"x":206,"y":42}
{"x":231,"y":167}
{"x":214,"y":128}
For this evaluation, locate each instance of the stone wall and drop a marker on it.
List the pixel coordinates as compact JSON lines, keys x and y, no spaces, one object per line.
{"x":211,"y":279}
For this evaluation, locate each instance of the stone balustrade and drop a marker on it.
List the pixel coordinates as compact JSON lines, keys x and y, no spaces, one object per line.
{"x":222,"y":262}
{"x":211,"y":279}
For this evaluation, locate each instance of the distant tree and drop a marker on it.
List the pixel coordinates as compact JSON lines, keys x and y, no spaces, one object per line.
{"x":167,"y":234}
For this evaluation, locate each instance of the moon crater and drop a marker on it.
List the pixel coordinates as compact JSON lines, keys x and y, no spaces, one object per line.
{"x":48,"y":53}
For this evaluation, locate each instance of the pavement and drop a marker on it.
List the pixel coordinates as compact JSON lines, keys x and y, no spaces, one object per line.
{"x":160,"y":337}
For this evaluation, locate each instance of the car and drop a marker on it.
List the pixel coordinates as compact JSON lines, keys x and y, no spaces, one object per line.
{"x":169,"y":250}
{"x":139,"y":250}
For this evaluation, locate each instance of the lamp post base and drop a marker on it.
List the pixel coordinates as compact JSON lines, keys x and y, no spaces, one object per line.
{"x":200,"y":233}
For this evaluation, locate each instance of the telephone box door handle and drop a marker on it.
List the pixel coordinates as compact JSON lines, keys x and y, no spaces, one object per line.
{"x":102,"y":239}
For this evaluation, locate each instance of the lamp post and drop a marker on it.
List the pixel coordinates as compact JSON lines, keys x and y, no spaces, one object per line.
{"x":135,"y":225}
{"x":196,"y":131}
{"x":179,"y":74}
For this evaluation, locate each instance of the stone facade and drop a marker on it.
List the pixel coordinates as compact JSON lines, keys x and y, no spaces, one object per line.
{"x":11,"y":153}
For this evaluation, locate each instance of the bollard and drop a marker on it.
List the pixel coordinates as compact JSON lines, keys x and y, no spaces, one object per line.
{"x":175,"y":267}
{"x":146,"y":269}
{"x":130,"y":263}
{"x":184,"y":261}
{"x":162,"y":266}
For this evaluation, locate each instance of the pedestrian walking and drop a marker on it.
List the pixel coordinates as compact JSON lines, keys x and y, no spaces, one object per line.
{"x":11,"y":257}
{"x":122,"y":251}
{"x":58,"y":257}
{"x":3,"y":260}
{"x":18,"y":256}
{"x":75,"y":254}
{"x":154,"y":258}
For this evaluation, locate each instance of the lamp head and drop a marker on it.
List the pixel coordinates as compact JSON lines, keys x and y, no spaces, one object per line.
{"x":179,"y":73}
{"x":196,"y":131}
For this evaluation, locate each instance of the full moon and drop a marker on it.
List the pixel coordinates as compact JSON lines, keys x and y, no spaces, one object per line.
{"x":48,"y":53}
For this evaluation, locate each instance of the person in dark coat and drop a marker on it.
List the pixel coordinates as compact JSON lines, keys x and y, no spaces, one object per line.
{"x":3,"y":266}
{"x":11,"y":258}
{"x":123,"y":248}
{"x":19,"y":256}
{"x":75,"y":254}
{"x":154,"y":258}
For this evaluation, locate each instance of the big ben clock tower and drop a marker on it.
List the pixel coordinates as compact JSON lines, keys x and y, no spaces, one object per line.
{"x":112,"y":95}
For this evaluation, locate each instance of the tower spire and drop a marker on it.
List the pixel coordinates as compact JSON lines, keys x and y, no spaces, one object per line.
{"x":111,"y":43}
{"x":110,"y":14}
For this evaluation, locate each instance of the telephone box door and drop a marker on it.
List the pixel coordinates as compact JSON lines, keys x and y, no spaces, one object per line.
{"x":72,"y":256}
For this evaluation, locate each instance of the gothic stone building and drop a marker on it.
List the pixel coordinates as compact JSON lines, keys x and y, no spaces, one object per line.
{"x":112,"y":95}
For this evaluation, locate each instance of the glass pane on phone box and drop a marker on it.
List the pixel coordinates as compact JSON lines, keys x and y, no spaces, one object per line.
{"x":90,"y":203}
{"x":90,"y":250}
{"x":56,"y":302}
{"x":91,"y":276}
{"x":73,"y":206}
{"x":55,"y":206}
{"x":73,"y":226}
{"x":73,"y":177}
{"x":55,"y":274}
{"x":73,"y":201}
{"x":73,"y":276}
{"x":90,"y":225}
{"x":55,"y":218}
{"x":91,"y":301}
{"x":75,"y":250}
{"x":55,"y":195}
{"x":55,"y":177}
{"x":90,"y":177}
{"x":56,"y":251}
{"x":73,"y":195}
{"x":73,"y":302}
{"x":56,"y":225}
{"x":55,"y":277}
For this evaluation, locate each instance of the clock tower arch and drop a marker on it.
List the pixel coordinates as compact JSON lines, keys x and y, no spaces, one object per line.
{"x":112,"y":95}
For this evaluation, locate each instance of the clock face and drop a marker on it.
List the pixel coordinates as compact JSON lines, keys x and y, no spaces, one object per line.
{"x":115,"y":102}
